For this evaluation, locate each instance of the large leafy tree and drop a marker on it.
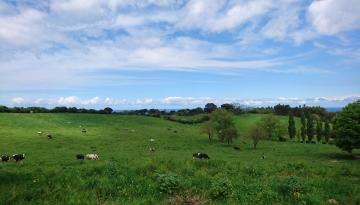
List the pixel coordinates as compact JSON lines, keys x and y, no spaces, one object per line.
{"x":224,"y":125}
{"x":291,"y":127}
{"x":210,"y":107}
{"x":347,"y":127}
{"x":270,"y":124}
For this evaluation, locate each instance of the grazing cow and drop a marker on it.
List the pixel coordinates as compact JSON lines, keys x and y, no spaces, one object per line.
{"x":237,"y":148}
{"x":39,"y":133}
{"x":5,"y":158}
{"x":80,"y":156}
{"x":91,"y":157}
{"x":200,"y":156}
{"x":152,"y":149}
{"x":175,"y":131}
{"x":83,"y":130}
{"x":49,"y":136}
{"x":18,"y":157}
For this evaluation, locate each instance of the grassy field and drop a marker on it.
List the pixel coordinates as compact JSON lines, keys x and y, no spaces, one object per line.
{"x":128,"y":173}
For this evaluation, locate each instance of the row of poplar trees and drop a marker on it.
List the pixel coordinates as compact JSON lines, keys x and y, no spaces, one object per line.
{"x":310,"y":128}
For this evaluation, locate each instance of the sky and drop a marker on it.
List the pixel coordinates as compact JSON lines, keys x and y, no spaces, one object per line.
{"x":130,"y":54}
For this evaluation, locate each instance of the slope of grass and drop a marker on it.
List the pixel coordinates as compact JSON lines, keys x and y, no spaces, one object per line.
{"x":127,"y":172}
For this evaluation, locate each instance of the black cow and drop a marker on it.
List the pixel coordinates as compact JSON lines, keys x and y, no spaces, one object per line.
{"x":201,"y":156}
{"x":49,"y":136}
{"x":80,"y":156}
{"x":83,"y":130}
{"x":5,"y":158}
{"x":237,"y":148}
{"x":18,"y":157}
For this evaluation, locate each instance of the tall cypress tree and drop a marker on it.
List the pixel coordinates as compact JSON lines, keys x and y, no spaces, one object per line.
{"x":327,"y":131}
{"x":319,"y":131}
{"x":303,"y":127}
{"x":291,"y":127}
{"x":310,"y":128}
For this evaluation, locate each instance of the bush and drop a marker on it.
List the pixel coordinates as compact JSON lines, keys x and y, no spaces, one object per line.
{"x":221,"y":189}
{"x":168,"y":183}
{"x":291,"y":188}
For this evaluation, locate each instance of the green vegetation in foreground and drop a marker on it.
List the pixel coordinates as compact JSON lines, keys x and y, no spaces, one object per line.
{"x":128,"y":173}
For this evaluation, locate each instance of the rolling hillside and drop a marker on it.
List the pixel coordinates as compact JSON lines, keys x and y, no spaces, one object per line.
{"x":128,"y":173}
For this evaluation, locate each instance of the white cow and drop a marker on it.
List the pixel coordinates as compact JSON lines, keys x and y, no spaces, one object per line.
{"x":91,"y":157}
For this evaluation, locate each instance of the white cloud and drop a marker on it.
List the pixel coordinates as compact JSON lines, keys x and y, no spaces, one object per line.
{"x":23,"y":28}
{"x":17,"y":100}
{"x":183,"y":102}
{"x":219,"y":16}
{"x":334,"y":16}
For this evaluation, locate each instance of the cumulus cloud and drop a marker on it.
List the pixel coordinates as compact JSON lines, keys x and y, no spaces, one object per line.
{"x":332,"y":16}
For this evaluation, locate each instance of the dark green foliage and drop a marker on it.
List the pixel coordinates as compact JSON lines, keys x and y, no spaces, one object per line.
{"x":327,"y":131}
{"x":319,"y":131}
{"x":303,"y":127}
{"x":108,"y":110}
{"x":210,"y":107}
{"x":188,"y":120}
{"x":221,"y":188}
{"x":310,"y":131}
{"x":291,"y":126}
{"x":168,"y":183}
{"x":347,"y":127}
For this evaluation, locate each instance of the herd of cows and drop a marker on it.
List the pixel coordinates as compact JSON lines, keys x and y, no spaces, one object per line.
{"x":20,"y":157}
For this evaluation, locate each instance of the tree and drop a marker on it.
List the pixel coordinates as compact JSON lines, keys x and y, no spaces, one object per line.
{"x":209,"y":129}
{"x":319,"y":130}
{"x":310,"y":128}
{"x":108,"y":110}
{"x":303,"y":126}
{"x":303,"y":133}
{"x":210,"y":107}
{"x":327,"y":131}
{"x":270,"y":124}
{"x":228,"y":107}
{"x":291,"y":127}
{"x":223,"y":122}
{"x":256,"y":134}
{"x":347,"y":127}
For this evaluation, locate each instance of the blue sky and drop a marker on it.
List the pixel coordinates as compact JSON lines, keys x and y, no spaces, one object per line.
{"x":179,"y":53}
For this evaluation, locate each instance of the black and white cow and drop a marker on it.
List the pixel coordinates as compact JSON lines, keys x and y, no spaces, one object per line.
{"x":49,"y":136}
{"x":18,"y":157}
{"x":91,"y":157}
{"x":80,"y":156}
{"x":5,"y":158}
{"x":201,"y":156}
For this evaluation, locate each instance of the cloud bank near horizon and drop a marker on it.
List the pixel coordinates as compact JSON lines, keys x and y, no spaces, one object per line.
{"x":178,"y":102}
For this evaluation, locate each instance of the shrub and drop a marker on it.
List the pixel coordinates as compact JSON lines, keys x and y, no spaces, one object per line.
{"x":221,"y":188}
{"x":291,"y":188}
{"x":168,"y":183}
